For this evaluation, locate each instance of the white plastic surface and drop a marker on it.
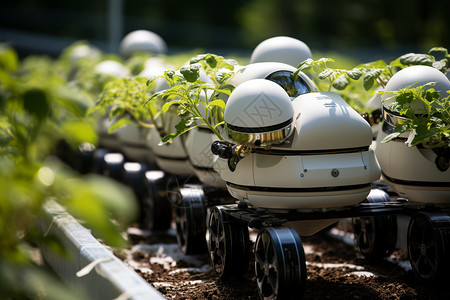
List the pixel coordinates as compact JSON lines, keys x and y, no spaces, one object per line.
{"x":112,"y":68}
{"x":171,"y":157}
{"x":281,"y":49}
{"x":405,"y":163}
{"x":296,"y":180}
{"x":133,"y":143}
{"x":324,"y":120}
{"x":142,"y":41}
{"x":258,"y":103}
{"x":109,"y":279}
{"x":417,"y":75}
{"x":198,"y":147}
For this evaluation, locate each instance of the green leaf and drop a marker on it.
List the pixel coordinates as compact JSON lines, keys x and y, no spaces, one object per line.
{"x":218,"y":102}
{"x":167,"y":105}
{"x":441,"y":65}
{"x":184,"y":126}
{"x":9,"y":60}
{"x":439,"y":49}
{"x":370,"y":78}
{"x":120,"y":122}
{"x":326,"y":73}
{"x":79,"y":131}
{"x":390,"y":137}
{"x":324,"y":60}
{"x":36,"y":102}
{"x":191,"y":72}
{"x":305,"y":65}
{"x":416,"y":59}
{"x":354,"y":73}
{"x":341,"y":82}
{"x":211,"y":60}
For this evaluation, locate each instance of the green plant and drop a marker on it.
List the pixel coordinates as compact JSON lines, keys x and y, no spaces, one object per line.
{"x":431,"y":126}
{"x":344,"y":81}
{"x":380,"y":72}
{"x":197,"y":101}
{"x":374,"y":75}
{"x":337,"y":78}
{"x":123,"y":99}
{"x":39,"y":108}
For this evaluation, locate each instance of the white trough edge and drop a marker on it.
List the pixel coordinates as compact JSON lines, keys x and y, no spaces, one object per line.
{"x":110,"y":278}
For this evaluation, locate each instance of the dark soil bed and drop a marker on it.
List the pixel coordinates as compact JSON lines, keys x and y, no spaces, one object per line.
{"x":334,"y":272}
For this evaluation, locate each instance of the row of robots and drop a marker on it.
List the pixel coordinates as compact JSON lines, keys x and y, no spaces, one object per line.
{"x":296,"y":161}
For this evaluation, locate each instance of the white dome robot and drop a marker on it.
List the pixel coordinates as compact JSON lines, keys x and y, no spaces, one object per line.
{"x":282,"y":49}
{"x":142,"y":41}
{"x":289,"y":158}
{"x":133,"y":138}
{"x":109,"y":69}
{"x":192,"y":200}
{"x":127,"y":155}
{"x":413,"y":173}
{"x":317,"y":144}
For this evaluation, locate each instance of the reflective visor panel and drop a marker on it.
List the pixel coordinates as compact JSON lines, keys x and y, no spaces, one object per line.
{"x":293,"y":87}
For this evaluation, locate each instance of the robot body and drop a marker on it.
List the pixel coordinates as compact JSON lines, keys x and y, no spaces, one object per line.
{"x":133,"y":143}
{"x":198,"y":147}
{"x":170,"y":157}
{"x":326,"y":163}
{"x":412,"y":173}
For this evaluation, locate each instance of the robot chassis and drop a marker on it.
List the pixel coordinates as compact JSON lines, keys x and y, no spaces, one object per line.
{"x":280,"y":266}
{"x":279,"y":258}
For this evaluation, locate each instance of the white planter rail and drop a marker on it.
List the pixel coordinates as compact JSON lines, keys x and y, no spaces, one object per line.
{"x":109,"y":278}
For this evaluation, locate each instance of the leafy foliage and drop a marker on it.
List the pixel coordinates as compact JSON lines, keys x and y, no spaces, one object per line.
{"x":194,"y":90}
{"x":38,"y":109}
{"x":374,"y":75}
{"x":124,"y":98}
{"x":337,"y":78}
{"x":343,"y":81}
{"x":380,"y":72}
{"x":430,"y":127}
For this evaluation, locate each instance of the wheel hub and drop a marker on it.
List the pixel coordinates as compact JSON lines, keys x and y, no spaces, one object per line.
{"x":423,"y":249}
{"x":266,"y":268}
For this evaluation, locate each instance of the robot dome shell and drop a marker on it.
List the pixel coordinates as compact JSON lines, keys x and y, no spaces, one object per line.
{"x":142,"y":41}
{"x":417,"y":75}
{"x":112,"y":68}
{"x":281,"y":49}
{"x":258,"y":109}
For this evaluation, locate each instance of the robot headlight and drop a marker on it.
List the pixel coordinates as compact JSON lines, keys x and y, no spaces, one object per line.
{"x":294,"y":87}
{"x":392,"y":118}
{"x":259,"y":112}
{"x":263,"y":137}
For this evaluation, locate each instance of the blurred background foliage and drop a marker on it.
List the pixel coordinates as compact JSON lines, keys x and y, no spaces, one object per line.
{"x":338,"y":25}
{"x":40,"y":110}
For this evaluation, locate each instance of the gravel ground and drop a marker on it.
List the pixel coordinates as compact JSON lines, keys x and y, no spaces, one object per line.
{"x":335,"y":271}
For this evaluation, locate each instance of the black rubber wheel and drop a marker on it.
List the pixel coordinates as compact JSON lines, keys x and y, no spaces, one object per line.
{"x":228,"y":244}
{"x":114,"y":163}
{"x":190,"y":219}
{"x":428,"y":245}
{"x":280,"y":264}
{"x":134,"y":177}
{"x":156,"y":209}
{"x":99,"y":161}
{"x":375,"y":236}
{"x":84,"y":158}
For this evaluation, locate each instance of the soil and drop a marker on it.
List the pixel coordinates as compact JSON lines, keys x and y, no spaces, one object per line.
{"x":334,"y":271}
